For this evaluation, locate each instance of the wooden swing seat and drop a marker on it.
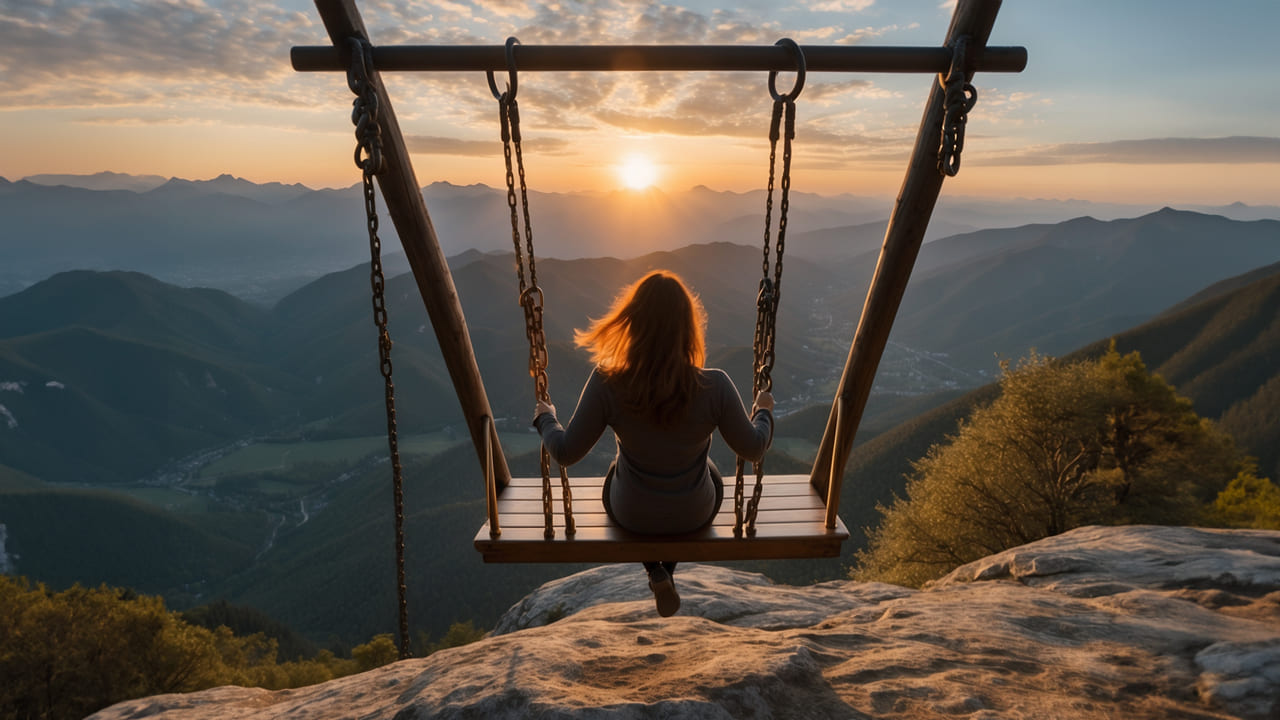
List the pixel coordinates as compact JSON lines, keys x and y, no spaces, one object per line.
{"x":791,"y":523}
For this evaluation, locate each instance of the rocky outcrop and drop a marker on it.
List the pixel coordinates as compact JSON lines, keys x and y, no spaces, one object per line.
{"x":1135,"y":622}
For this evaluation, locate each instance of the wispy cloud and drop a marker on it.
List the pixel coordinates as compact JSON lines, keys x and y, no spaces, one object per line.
{"x":181,"y":54}
{"x":146,"y":38}
{"x":1153,"y":151}
{"x":841,"y":6}
{"x":10,"y":421}
{"x":157,"y":62}
{"x":436,"y":145}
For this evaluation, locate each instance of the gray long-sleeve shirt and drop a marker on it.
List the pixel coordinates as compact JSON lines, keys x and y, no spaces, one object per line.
{"x":661,"y":484}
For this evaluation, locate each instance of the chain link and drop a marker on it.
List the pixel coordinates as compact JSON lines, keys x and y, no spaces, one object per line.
{"x":531,"y":296}
{"x":368,"y":157}
{"x":959,"y":97}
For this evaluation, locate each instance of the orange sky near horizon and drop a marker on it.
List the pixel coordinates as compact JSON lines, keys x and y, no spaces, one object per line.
{"x":734,"y":165}
{"x":1097,"y":115}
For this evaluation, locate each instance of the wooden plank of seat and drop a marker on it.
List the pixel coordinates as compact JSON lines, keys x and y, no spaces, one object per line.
{"x":791,"y":524}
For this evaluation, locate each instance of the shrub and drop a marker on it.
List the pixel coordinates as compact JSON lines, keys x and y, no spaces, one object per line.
{"x":1065,"y":445}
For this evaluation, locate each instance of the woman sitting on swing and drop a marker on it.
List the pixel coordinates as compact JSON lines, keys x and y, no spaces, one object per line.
{"x":650,"y":387}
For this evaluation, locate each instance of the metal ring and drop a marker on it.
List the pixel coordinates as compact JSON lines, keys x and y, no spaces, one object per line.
{"x":527,"y":298}
{"x":512,"y":84}
{"x":958,"y":71}
{"x":358,"y":74}
{"x":800,"y":68}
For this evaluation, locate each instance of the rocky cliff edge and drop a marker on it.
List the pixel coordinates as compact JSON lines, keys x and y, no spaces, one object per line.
{"x":1130,"y":622}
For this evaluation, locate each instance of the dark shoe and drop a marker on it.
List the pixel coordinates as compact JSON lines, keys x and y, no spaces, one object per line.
{"x":664,"y":591}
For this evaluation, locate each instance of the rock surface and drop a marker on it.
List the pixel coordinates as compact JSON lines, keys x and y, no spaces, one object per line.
{"x":1134,"y":622}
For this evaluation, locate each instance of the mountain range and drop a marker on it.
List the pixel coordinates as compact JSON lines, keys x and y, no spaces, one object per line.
{"x":113,"y":374}
{"x":262,"y":241}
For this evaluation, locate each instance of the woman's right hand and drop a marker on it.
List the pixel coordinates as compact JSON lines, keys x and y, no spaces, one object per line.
{"x":764,"y":401}
{"x":543,"y":407}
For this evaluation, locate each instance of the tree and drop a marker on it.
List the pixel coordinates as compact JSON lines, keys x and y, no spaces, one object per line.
{"x":1065,"y":445}
{"x":379,"y":651}
{"x":68,"y":654}
{"x":1248,"y":501}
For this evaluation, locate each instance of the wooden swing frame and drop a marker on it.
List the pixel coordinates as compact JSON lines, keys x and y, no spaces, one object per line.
{"x":798,"y":516}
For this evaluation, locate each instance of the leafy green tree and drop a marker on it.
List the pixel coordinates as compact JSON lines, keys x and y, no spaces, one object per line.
{"x":458,"y":634}
{"x":1065,"y":445}
{"x":1248,"y":501}
{"x":245,"y":621}
{"x":379,"y":651}
{"x":68,"y":654}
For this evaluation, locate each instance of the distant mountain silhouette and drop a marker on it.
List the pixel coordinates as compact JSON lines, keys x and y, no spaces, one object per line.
{"x":100,"y":181}
{"x":270,"y":193}
{"x":262,"y":241}
{"x":1055,"y":287}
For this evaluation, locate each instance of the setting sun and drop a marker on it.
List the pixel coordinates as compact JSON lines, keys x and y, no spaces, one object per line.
{"x":637,"y":172}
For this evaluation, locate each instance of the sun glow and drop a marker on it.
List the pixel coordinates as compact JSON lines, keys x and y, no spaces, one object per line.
{"x":637,"y":172}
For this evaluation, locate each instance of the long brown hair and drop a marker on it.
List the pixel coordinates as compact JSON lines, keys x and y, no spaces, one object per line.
{"x":651,"y":344}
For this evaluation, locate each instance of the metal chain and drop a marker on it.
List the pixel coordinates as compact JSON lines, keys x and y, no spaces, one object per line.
{"x":767,"y":310}
{"x":782,"y":125}
{"x":368,"y":157}
{"x":959,"y":97}
{"x":531,"y":296}
{"x":763,"y":301}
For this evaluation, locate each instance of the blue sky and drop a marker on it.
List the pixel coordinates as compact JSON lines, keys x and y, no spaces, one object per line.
{"x":1126,"y":100}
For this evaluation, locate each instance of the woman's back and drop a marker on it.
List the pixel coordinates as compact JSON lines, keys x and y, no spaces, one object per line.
{"x":666,"y":447}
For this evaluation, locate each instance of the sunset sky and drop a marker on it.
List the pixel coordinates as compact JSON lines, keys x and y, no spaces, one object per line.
{"x":1168,"y":101}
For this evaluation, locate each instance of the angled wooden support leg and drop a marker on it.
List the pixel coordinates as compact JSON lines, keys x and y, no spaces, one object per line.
{"x":907,"y":225}
{"x":408,"y":210}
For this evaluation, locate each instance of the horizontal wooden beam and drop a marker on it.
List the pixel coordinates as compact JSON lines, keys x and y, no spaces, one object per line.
{"x":605,"y":58}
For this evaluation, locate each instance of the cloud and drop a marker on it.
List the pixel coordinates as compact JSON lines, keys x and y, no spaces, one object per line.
{"x":72,"y":53}
{"x":1153,"y":151}
{"x":858,"y":35}
{"x":9,"y":419}
{"x":841,"y":6}
{"x":147,"y":63}
{"x":195,"y":57}
{"x":436,"y":145}
{"x":150,"y":38}
{"x":506,"y":8}
{"x":11,"y":386}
